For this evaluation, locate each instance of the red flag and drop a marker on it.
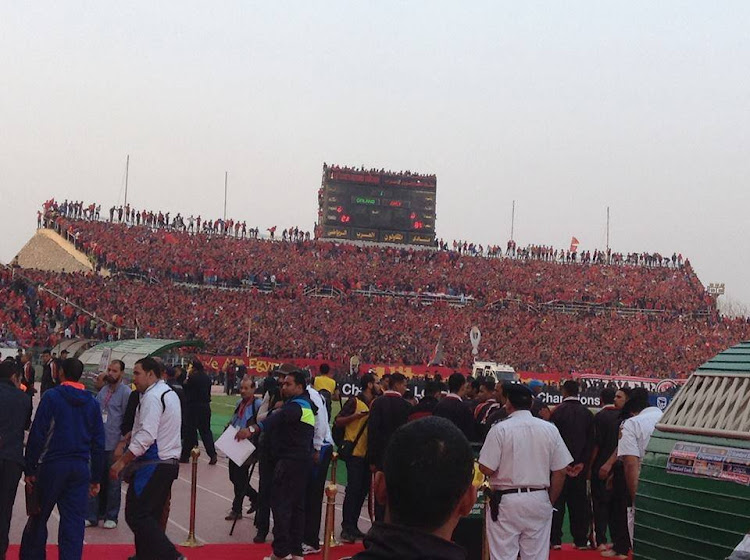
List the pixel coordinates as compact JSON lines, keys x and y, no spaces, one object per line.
{"x":574,"y":244}
{"x":272,"y":229}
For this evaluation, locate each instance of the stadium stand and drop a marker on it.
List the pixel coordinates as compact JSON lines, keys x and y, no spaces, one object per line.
{"x":638,"y":315}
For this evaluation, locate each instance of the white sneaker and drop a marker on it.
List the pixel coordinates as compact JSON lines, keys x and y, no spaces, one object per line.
{"x":307,"y":549}
{"x":109,"y":524}
{"x":274,"y":557}
{"x":88,"y":523}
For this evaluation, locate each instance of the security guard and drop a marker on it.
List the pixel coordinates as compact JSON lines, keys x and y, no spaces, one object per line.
{"x":292,"y":428}
{"x":518,"y":456}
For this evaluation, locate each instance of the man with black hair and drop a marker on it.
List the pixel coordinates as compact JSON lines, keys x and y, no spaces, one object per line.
{"x":426,"y":486}
{"x":452,"y":407}
{"x":271,"y":401}
{"x":426,"y":406}
{"x":15,"y":418}
{"x":539,"y":408}
{"x":387,"y":414}
{"x":322,"y":453}
{"x":518,"y":456}
{"x":197,"y":390}
{"x":486,"y":404}
{"x":353,"y":418}
{"x":636,"y":433}
{"x":49,"y":371}
{"x":325,"y":384}
{"x":576,"y":425}
{"x":151,"y":461}
{"x":64,"y":462}
{"x":606,"y":433}
{"x":28,"y":372}
{"x":292,"y":428}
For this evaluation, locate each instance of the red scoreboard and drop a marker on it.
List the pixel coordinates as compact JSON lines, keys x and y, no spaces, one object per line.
{"x":379,"y":206}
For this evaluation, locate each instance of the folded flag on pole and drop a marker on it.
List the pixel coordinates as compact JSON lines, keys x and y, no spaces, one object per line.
{"x":437,"y":355}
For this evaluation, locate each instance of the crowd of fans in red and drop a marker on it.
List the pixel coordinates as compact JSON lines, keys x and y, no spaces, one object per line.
{"x":383,"y":329}
{"x":535,"y":277}
{"x":677,"y":329}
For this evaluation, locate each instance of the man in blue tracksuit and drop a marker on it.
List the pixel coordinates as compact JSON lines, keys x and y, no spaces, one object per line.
{"x":292,"y":427}
{"x":64,"y":453}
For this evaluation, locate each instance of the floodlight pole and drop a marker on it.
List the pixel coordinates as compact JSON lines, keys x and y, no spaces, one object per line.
{"x":226,"y":178}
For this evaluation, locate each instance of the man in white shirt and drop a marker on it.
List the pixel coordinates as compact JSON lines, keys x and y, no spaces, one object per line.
{"x":322,"y":450}
{"x":153,"y":455}
{"x":634,"y":437}
{"x":518,"y":456}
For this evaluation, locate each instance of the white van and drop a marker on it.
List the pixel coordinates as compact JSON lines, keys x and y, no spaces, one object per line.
{"x":502,"y":373}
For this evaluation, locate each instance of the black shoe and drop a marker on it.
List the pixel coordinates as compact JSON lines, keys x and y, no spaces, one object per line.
{"x":359,"y":534}
{"x":252,"y":508}
{"x":233,"y":515}
{"x":213,"y":460}
{"x":349,"y":537}
{"x":260,"y":537}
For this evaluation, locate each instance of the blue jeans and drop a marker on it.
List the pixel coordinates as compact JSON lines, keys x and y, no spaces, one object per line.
{"x":64,"y":483}
{"x":106,"y":505}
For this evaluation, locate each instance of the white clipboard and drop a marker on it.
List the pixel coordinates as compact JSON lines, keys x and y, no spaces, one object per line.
{"x":237,"y":451}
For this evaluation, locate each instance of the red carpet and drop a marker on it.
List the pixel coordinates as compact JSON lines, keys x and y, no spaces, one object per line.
{"x":247,"y":552}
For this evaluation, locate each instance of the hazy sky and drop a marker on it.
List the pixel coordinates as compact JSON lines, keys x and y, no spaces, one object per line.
{"x":566,"y":107}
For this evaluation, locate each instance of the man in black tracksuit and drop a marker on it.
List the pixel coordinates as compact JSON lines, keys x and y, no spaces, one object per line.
{"x":576,"y":425}
{"x":49,"y":371}
{"x":606,"y":435}
{"x":452,"y":407}
{"x":387,"y":414}
{"x":15,"y":417}
{"x":292,"y":428}
{"x":197,"y":390}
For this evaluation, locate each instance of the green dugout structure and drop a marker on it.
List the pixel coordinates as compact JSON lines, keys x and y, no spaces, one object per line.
{"x":129,"y":351}
{"x":693,"y":499}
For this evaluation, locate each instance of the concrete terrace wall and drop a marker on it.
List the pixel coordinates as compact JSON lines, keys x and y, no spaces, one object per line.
{"x":47,"y":250}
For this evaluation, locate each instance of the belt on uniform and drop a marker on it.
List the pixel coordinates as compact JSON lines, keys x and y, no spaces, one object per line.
{"x":497,"y":495}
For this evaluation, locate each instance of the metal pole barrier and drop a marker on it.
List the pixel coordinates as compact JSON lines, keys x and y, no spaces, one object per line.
{"x":486,"y":490}
{"x":334,"y":461}
{"x":191,"y":541}
{"x":328,"y":539}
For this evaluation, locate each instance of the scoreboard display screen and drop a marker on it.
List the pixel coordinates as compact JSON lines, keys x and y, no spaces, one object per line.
{"x":377,"y":206}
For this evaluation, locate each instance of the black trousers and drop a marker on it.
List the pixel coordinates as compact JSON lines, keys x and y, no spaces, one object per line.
{"x":602,"y":500}
{"x":574,"y":496}
{"x":314,"y":498}
{"x":10,"y":474}
{"x":357,"y":487}
{"x":288,"y":505}
{"x":198,"y":419}
{"x":618,"y":522}
{"x":263,"y":509}
{"x":239,"y":477}
{"x":143,"y":514}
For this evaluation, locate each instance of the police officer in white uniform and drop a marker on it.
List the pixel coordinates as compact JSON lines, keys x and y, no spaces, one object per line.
{"x":525,"y":459}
